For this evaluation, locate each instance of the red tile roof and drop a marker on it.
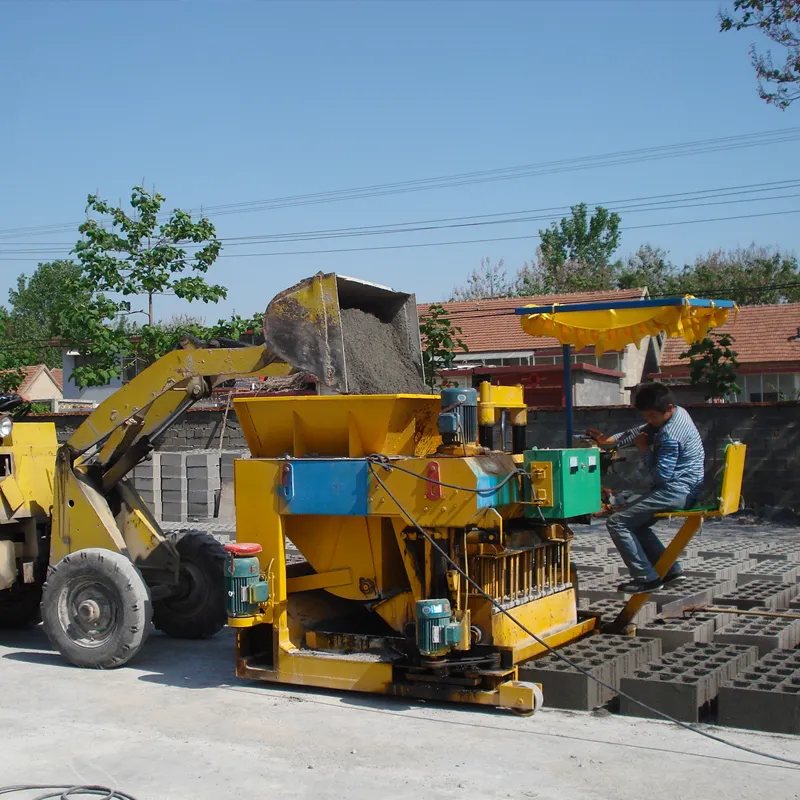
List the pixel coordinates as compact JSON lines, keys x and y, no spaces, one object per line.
{"x":29,"y":376}
{"x":58,"y":377}
{"x":761,"y":335}
{"x":491,"y":325}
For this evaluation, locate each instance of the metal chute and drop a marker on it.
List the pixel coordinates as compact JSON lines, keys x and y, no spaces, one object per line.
{"x":306,"y":327}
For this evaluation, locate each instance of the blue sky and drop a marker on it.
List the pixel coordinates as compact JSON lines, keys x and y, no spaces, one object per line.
{"x":224,"y":102}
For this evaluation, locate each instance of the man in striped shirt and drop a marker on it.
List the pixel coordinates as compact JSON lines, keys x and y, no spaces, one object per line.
{"x":674,"y":452}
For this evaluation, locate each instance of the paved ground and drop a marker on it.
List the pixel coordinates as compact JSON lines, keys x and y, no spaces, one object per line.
{"x":177,"y":724}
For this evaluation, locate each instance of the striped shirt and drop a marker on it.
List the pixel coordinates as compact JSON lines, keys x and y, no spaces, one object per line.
{"x":677,"y":456}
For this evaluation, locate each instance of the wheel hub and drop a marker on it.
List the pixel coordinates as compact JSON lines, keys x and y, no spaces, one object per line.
{"x":89,"y":611}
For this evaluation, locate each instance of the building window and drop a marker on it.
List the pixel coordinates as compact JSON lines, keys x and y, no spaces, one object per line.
{"x":767,"y":388}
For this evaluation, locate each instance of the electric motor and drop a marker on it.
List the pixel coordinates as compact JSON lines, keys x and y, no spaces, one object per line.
{"x":244,"y":588}
{"x":458,"y":420}
{"x":437,"y":631}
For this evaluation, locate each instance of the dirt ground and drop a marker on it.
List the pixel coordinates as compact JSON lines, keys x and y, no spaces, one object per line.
{"x":178,"y":725}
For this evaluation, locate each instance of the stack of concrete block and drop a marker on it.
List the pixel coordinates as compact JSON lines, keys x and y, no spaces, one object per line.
{"x":719,"y":568}
{"x":765,"y":633}
{"x":727,"y":551}
{"x":689,"y":593}
{"x":684,"y":680}
{"x":594,"y":563}
{"x":781,"y":571}
{"x":772,"y":595}
{"x":202,"y":484}
{"x":147,"y":482}
{"x":609,"y":610}
{"x":675,"y":632}
{"x":604,"y":658}
{"x":777,"y":551}
{"x":173,"y":487}
{"x":765,"y":697}
{"x":598,"y":587}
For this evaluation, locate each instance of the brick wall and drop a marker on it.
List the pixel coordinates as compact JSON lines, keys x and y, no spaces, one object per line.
{"x":771,"y":431}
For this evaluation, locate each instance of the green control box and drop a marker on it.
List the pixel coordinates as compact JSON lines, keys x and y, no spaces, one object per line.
{"x":564,"y":483}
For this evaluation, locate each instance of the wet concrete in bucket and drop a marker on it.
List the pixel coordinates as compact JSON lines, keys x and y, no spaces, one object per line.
{"x":378,"y":358}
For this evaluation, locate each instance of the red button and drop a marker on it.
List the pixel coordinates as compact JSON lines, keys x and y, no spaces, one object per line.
{"x":243,"y":548}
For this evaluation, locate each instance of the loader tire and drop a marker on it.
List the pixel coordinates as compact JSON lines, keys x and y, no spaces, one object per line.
{"x":19,"y":607}
{"x":196,"y":610}
{"x":96,"y":608}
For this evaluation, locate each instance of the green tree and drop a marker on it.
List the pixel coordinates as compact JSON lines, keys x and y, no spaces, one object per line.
{"x":132,"y":256}
{"x":575,"y":254}
{"x":779,"y":21}
{"x":441,"y":340}
{"x":648,"y":266}
{"x":37,"y":307}
{"x":713,"y":364}
{"x":490,"y":280}
{"x":749,"y":276}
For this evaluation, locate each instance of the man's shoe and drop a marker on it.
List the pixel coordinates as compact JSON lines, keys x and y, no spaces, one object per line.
{"x":639,"y":587}
{"x":675,"y":580}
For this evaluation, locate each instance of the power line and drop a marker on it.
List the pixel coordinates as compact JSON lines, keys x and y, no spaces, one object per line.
{"x":680,"y":150}
{"x":353,"y":232}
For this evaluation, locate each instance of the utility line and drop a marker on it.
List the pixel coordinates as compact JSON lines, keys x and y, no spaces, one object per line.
{"x":698,"y":147}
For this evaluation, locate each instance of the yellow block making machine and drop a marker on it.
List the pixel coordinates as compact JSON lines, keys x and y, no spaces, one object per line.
{"x":435,"y":560}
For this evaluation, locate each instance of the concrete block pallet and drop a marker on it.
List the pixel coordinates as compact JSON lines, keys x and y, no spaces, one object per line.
{"x":607,"y":658}
{"x":684,"y":681}
{"x":765,"y":697}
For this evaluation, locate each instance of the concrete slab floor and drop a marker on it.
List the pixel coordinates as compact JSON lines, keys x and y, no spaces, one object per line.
{"x":176,"y":725}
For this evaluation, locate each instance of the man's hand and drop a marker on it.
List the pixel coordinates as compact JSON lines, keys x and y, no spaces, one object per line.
{"x":642,"y":441}
{"x":600,"y":438}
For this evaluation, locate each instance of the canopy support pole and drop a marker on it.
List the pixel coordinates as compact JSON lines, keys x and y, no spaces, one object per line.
{"x":567,"y":359}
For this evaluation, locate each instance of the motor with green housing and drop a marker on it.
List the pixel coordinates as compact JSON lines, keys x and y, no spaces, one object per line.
{"x":564,"y":483}
{"x":244,"y":588}
{"x":437,"y":630}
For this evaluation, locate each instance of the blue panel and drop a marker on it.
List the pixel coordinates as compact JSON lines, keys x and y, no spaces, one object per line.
{"x":488,"y":499}
{"x":335,"y":487}
{"x":609,"y":305}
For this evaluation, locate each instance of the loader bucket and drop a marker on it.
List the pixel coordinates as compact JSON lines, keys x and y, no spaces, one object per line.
{"x":355,"y":337}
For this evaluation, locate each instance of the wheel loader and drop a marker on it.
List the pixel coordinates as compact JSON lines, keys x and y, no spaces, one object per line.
{"x":75,"y":534}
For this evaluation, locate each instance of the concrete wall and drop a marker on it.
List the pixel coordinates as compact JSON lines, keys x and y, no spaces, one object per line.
{"x":596,"y":390}
{"x":771,"y":431}
{"x":94,"y":393}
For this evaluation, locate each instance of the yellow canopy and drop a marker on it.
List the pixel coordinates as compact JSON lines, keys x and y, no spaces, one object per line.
{"x":614,"y":328}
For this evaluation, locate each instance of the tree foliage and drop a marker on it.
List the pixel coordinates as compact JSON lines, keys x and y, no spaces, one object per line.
{"x":491,"y":280}
{"x":779,"y":21}
{"x":134,"y":255}
{"x":441,"y":340}
{"x":713,"y":364}
{"x":576,"y":253}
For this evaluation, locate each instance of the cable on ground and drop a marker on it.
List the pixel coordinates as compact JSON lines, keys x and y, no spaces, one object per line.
{"x":538,"y":640}
{"x":68,"y":792}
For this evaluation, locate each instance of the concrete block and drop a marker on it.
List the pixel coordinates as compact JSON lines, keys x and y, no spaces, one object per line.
{"x":765,"y":697}
{"x":607,"y":658}
{"x":781,"y":571}
{"x":172,"y":484}
{"x":609,"y":610}
{"x":172,"y":496}
{"x":206,"y":460}
{"x":684,"y":680}
{"x":718,"y":568}
{"x":765,"y":633}
{"x":674,"y":632}
{"x":759,"y":593}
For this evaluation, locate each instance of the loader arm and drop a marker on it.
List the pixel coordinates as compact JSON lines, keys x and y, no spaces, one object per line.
{"x":93,"y":504}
